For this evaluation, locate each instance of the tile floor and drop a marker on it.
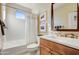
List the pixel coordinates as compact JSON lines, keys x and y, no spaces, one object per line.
{"x":21,"y":50}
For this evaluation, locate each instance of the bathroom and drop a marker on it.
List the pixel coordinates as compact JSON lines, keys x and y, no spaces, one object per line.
{"x":39,"y":28}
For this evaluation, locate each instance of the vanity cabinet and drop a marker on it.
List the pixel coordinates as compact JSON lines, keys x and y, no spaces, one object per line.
{"x":45,"y":50}
{"x":52,"y":48}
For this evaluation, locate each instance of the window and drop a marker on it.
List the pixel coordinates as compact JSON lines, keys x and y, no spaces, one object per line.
{"x":20,"y":14}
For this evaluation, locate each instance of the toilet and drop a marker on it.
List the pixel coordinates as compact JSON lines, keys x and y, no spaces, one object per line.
{"x":33,"y":47}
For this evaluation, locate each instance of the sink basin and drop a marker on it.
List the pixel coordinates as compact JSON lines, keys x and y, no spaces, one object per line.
{"x":50,"y":36}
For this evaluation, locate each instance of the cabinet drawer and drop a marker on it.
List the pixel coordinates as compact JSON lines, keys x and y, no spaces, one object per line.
{"x":48,"y":43}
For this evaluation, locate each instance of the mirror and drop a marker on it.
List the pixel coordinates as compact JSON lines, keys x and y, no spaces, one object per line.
{"x":65,"y":16}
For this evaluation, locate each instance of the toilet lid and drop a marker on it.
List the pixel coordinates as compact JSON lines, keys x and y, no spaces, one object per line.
{"x":33,"y":45}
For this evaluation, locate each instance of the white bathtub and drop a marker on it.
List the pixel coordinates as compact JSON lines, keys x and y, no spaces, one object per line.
{"x":13,"y":43}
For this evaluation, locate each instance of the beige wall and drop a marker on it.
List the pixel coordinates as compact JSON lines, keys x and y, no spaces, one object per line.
{"x":63,"y":11}
{"x":38,"y":8}
{"x":47,"y":8}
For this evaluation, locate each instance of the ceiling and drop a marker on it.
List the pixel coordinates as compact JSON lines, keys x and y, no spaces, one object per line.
{"x":57,"y":5}
{"x":36,"y":7}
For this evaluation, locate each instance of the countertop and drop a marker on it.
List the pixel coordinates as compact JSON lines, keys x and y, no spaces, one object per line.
{"x":71,"y":42}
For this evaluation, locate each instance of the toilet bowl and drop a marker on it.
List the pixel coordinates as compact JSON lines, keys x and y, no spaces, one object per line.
{"x":32,"y":45}
{"x":33,"y":48}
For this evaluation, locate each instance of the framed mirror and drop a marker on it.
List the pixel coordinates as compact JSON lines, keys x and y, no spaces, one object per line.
{"x":64,"y":17}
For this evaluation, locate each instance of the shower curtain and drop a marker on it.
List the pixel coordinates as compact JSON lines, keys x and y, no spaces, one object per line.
{"x":19,"y":29}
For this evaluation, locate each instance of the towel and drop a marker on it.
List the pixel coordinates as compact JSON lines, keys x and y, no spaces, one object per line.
{"x":2,"y":27}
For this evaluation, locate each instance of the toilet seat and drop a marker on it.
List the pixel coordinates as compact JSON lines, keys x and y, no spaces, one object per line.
{"x":32,"y":45}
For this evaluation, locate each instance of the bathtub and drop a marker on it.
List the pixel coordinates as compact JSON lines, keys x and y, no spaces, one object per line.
{"x":13,"y":43}
{"x":18,"y":42}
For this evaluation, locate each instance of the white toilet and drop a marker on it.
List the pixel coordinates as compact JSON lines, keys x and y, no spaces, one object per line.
{"x":33,"y":47}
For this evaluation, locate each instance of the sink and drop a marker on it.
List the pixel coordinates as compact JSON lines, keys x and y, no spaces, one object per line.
{"x":50,"y":36}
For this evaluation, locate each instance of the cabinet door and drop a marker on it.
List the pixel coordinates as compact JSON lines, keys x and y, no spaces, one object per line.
{"x":67,"y":50}
{"x":44,"y":50}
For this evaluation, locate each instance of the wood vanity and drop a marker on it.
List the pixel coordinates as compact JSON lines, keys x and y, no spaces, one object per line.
{"x":48,"y":47}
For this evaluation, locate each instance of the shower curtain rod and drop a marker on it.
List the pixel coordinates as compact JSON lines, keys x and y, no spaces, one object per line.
{"x":20,"y":9}
{"x":17,"y":8}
